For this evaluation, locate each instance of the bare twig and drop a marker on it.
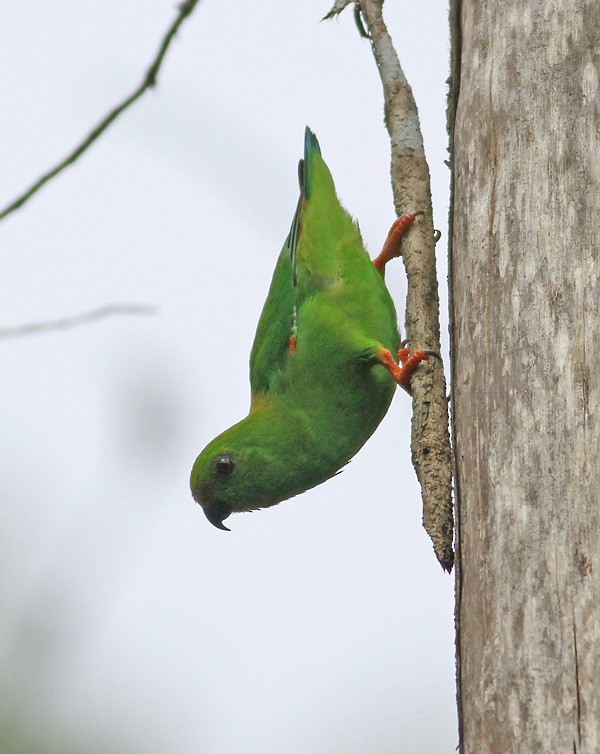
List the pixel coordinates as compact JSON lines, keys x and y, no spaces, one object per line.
{"x":338,"y":7}
{"x":430,"y":444}
{"x":149,"y":81}
{"x":78,"y":319}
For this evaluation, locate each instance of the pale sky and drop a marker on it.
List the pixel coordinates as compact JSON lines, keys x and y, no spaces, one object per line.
{"x":128,"y":623}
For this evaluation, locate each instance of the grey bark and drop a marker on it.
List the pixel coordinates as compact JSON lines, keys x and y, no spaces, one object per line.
{"x":525,"y":300}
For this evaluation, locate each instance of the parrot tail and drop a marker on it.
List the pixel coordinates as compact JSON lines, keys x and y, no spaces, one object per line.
{"x":305,"y":166}
{"x":311,"y":144}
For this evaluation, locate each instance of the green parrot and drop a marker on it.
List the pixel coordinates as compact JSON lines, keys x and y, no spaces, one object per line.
{"x":323,"y":370}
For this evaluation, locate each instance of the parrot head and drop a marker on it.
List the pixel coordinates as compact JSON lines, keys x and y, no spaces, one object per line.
{"x":210,"y":485}
{"x":219,"y":482}
{"x":244,"y":469}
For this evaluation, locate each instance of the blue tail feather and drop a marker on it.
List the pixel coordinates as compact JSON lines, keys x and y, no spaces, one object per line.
{"x":304,"y":177}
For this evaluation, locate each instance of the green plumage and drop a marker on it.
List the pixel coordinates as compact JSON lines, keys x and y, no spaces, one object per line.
{"x":313,"y":407}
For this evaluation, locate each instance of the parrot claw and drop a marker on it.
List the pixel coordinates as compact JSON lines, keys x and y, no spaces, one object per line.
{"x":404,"y":352}
{"x":409,"y":362}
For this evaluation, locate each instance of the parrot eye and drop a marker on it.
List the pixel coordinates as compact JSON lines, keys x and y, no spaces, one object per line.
{"x":224,"y":465}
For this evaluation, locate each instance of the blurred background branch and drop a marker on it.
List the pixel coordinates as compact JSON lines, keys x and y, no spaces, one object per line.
{"x":149,"y":81}
{"x":79,"y":319}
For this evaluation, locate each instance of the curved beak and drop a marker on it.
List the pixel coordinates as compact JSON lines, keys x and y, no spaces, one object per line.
{"x":216,"y":513}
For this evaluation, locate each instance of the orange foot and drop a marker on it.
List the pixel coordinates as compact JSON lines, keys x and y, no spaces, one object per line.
{"x":391,"y":247}
{"x":409,"y":362}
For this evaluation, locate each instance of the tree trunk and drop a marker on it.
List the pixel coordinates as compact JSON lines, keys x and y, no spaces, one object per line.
{"x":525,"y":299}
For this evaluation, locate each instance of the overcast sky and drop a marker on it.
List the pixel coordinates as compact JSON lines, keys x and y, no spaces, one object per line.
{"x":128,"y":623}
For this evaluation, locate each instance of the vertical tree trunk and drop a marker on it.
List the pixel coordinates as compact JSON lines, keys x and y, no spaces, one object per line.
{"x":525,"y":292}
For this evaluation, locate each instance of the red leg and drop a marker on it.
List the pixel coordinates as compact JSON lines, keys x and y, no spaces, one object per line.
{"x":410,"y":361}
{"x":391,"y":247}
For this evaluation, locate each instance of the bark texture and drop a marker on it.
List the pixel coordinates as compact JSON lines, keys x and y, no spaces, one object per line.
{"x":525,"y":301}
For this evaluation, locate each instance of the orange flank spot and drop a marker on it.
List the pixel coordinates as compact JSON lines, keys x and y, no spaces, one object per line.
{"x":293,"y":344}
{"x":392,"y":245}
{"x":410,"y":361}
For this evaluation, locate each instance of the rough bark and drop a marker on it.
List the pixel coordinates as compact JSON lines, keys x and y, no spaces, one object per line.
{"x":525,"y":297}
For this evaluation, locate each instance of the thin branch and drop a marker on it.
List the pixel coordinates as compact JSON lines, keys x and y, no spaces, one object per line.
{"x":430,"y":442}
{"x":149,"y":81}
{"x":338,"y":7}
{"x":79,"y":319}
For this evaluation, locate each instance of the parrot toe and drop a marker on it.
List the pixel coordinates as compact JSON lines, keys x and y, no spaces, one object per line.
{"x":392,"y":245}
{"x":409,"y":361}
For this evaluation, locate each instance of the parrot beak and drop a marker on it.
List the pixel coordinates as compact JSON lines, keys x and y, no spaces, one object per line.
{"x":216,"y":513}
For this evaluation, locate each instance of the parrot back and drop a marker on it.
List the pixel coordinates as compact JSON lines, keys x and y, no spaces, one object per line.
{"x":327,"y":315}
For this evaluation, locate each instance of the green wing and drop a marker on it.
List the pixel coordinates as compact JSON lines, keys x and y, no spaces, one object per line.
{"x":277,"y":323}
{"x":272,"y":339}
{"x":323,"y":253}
